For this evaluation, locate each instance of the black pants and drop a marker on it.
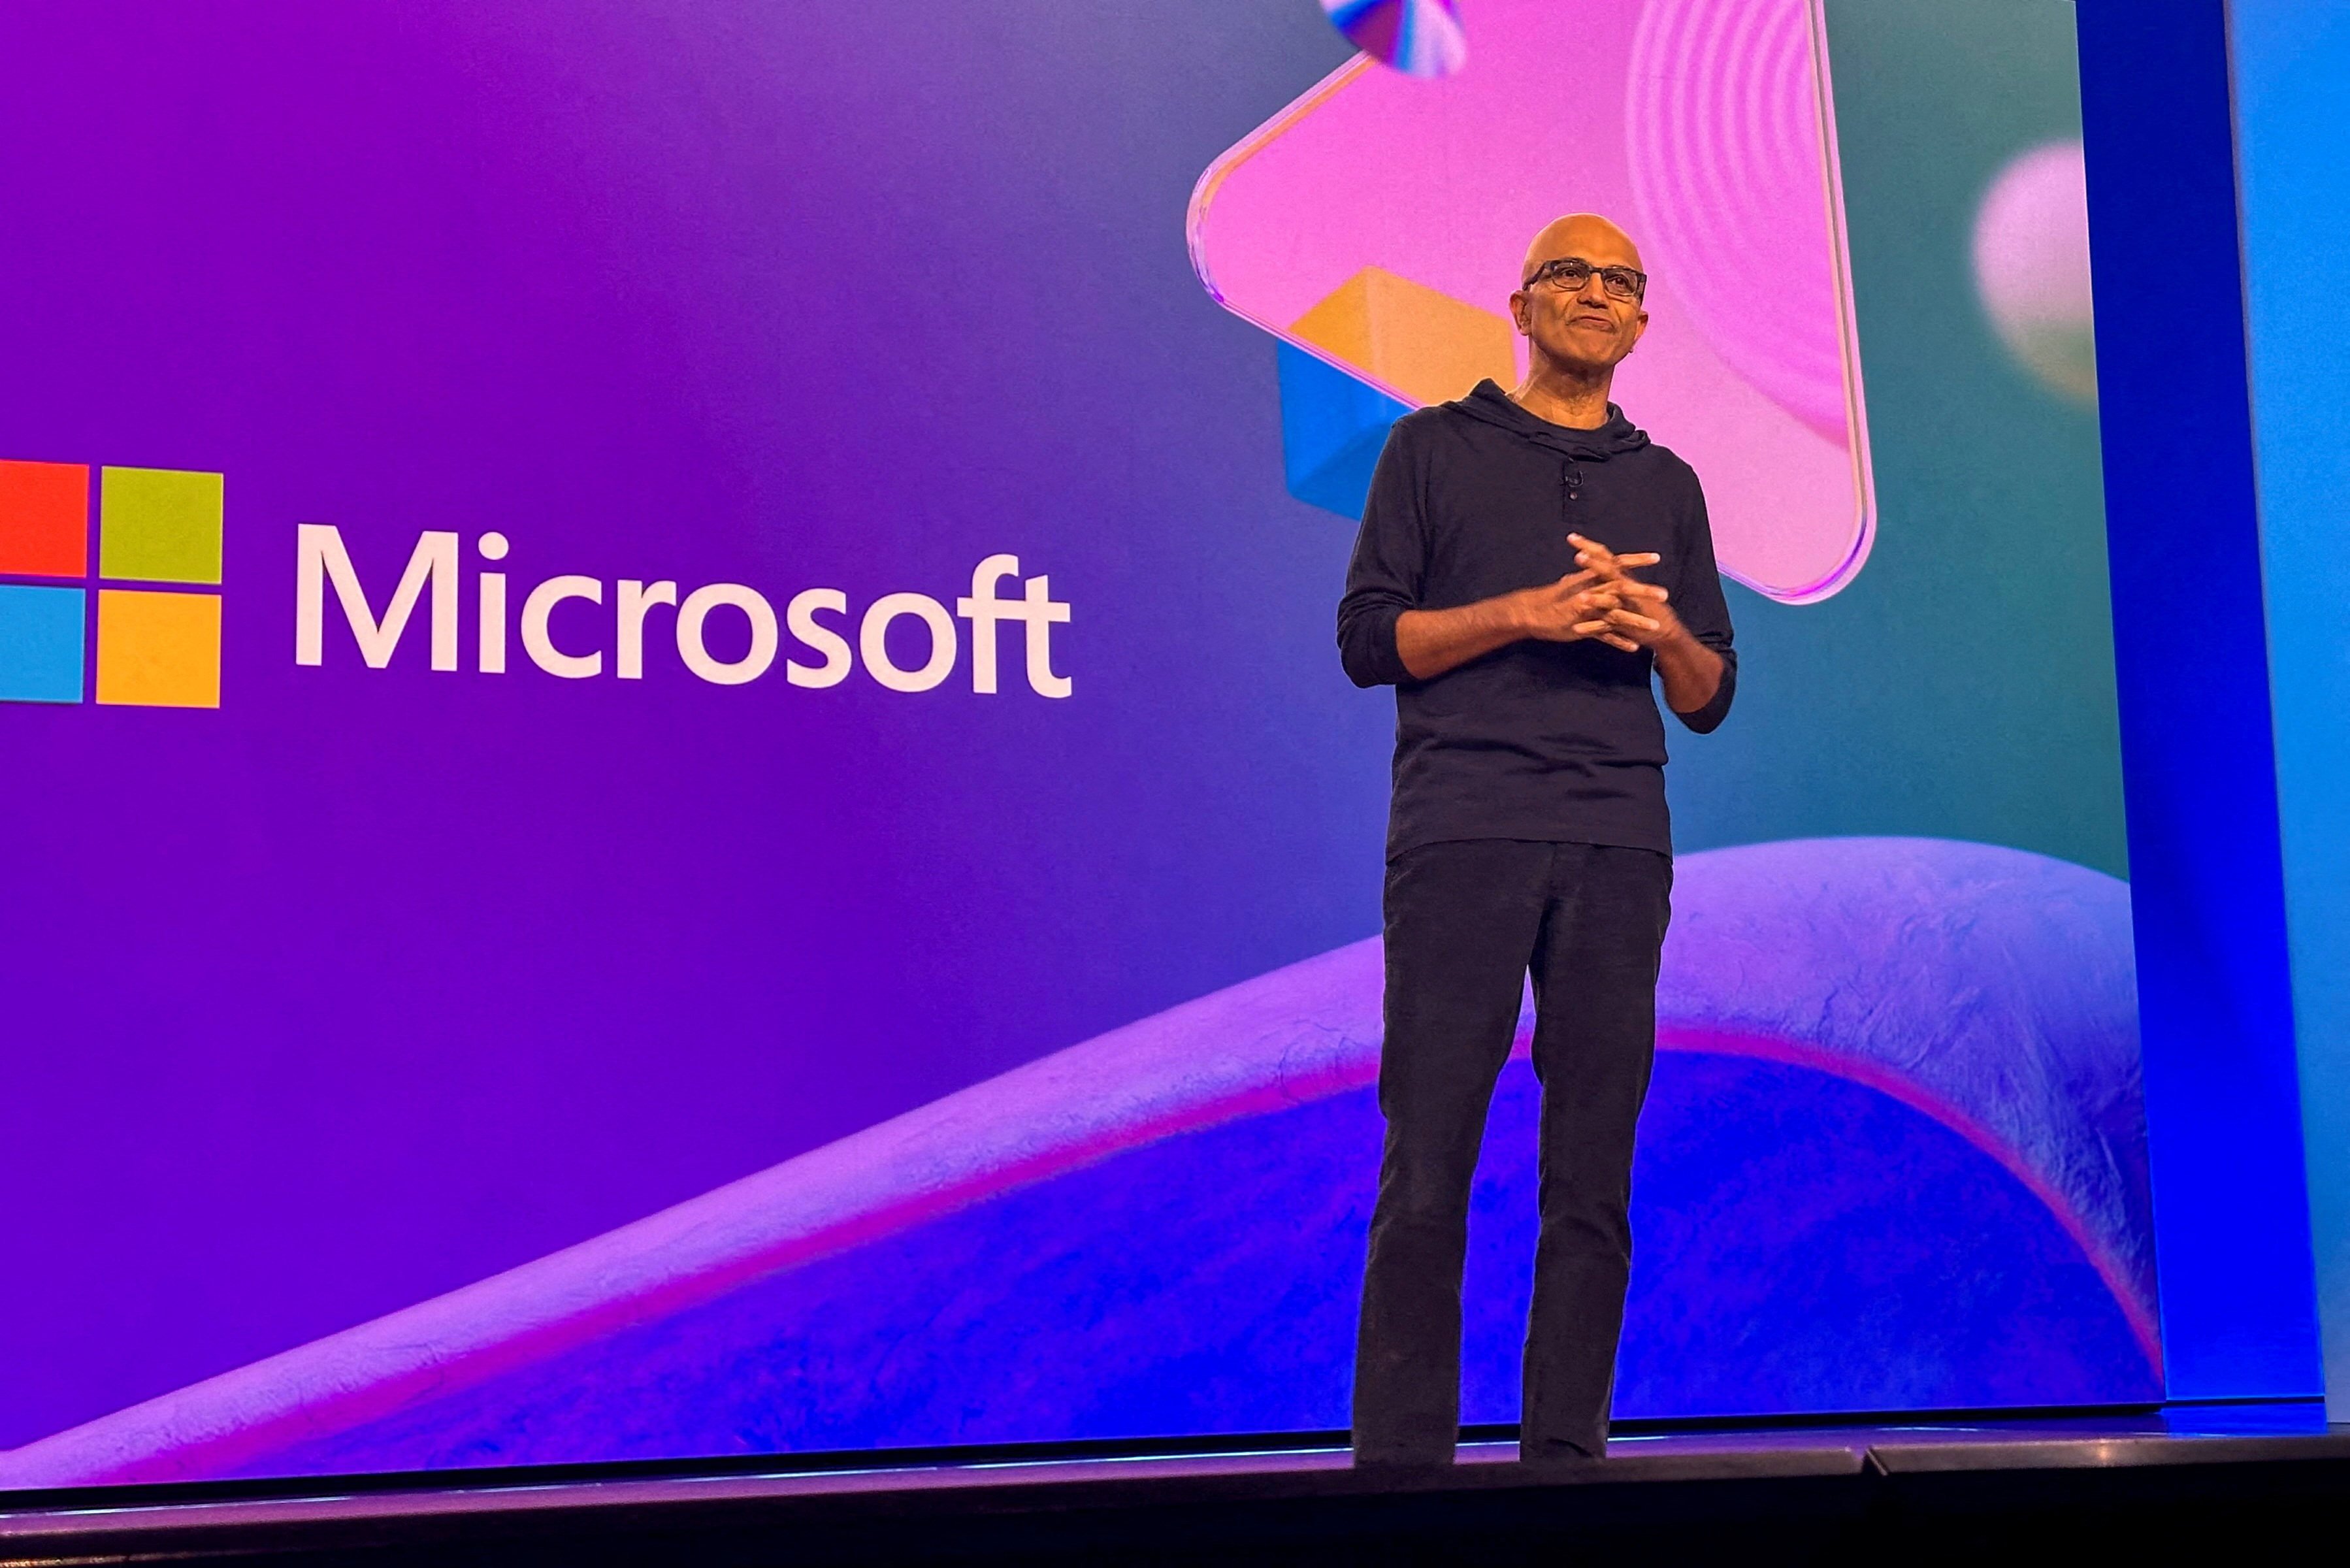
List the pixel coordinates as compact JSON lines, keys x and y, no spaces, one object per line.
{"x":1465,"y":923}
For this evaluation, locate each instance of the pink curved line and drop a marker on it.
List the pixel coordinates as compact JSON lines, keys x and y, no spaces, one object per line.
{"x":476,"y":1340}
{"x":473,"y":1334}
{"x":1840,"y":256}
{"x":1212,"y":178}
{"x":2119,"y":1280}
{"x":1295,"y":1036}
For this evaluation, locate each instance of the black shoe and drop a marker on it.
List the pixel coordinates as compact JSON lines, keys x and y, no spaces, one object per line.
{"x":1563,"y":1458}
{"x":1404,"y":1472}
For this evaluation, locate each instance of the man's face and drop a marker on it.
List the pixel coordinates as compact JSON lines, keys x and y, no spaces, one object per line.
{"x":1586,"y":326}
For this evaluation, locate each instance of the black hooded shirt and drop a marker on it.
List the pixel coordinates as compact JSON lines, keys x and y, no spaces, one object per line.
{"x":1549,"y":741}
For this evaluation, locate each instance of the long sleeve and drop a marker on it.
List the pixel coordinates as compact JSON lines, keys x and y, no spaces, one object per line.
{"x":1703,"y":609}
{"x":1383,"y":578}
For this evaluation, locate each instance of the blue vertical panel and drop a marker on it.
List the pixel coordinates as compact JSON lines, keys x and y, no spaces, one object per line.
{"x":2292,"y":69}
{"x":2191,"y":662}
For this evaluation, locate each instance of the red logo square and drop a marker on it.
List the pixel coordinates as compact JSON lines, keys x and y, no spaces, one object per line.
{"x":43,"y":519}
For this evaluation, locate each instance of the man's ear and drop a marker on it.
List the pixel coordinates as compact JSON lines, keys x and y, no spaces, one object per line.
{"x":1518,"y":314}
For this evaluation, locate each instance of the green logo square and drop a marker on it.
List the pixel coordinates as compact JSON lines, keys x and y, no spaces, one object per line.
{"x":159,"y":526}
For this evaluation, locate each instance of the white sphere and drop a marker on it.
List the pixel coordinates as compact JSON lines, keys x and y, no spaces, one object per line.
{"x":2032,"y":267}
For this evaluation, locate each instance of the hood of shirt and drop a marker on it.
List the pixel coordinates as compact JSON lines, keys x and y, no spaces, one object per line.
{"x":1489,"y":403}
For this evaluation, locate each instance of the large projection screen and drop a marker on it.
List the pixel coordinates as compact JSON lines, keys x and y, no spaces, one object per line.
{"x":676,"y":780}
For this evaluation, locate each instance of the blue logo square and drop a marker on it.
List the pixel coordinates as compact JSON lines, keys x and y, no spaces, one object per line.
{"x":40,"y":644}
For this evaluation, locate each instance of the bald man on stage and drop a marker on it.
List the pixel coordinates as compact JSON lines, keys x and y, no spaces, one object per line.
{"x":1529,"y":563}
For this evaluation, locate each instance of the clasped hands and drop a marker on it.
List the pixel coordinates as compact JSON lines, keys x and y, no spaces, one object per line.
{"x":1601,"y":600}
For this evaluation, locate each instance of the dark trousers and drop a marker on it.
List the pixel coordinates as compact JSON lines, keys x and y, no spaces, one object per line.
{"x":1465,"y":923}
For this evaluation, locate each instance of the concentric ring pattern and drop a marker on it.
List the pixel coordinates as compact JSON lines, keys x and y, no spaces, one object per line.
{"x":1730,"y":163}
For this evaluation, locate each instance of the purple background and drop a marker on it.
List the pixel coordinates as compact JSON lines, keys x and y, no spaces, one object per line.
{"x":375,"y":982}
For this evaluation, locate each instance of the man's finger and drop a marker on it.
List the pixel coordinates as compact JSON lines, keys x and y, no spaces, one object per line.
{"x":1643,"y":591}
{"x":1626,"y":643}
{"x":1626,"y":617}
{"x":1600,"y":558}
{"x":1589,"y":628}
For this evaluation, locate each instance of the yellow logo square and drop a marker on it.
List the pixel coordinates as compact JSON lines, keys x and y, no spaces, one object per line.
{"x":158,"y":649}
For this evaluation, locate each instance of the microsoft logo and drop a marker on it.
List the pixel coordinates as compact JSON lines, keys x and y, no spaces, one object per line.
{"x":157,"y":636}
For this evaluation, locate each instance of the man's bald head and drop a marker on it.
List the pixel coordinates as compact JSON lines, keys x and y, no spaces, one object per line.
{"x":1578,"y":331}
{"x":1584,"y":234}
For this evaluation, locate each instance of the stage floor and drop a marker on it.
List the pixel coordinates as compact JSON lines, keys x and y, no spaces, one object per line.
{"x":1808,"y":1492}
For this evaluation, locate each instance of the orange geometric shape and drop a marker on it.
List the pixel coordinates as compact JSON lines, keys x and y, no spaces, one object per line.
{"x":1426,"y":345}
{"x":158,"y":649}
{"x":43,"y":519}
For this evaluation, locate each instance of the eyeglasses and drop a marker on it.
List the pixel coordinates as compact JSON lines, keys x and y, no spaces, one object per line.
{"x":1569,"y":274}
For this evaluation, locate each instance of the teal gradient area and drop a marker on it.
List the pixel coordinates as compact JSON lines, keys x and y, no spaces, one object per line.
{"x":1963,"y":685}
{"x":2292,"y":59}
{"x":40,"y":644}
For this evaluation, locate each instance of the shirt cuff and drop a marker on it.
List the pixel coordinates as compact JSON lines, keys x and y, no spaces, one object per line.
{"x":1386,"y":659}
{"x":1706,"y":719}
